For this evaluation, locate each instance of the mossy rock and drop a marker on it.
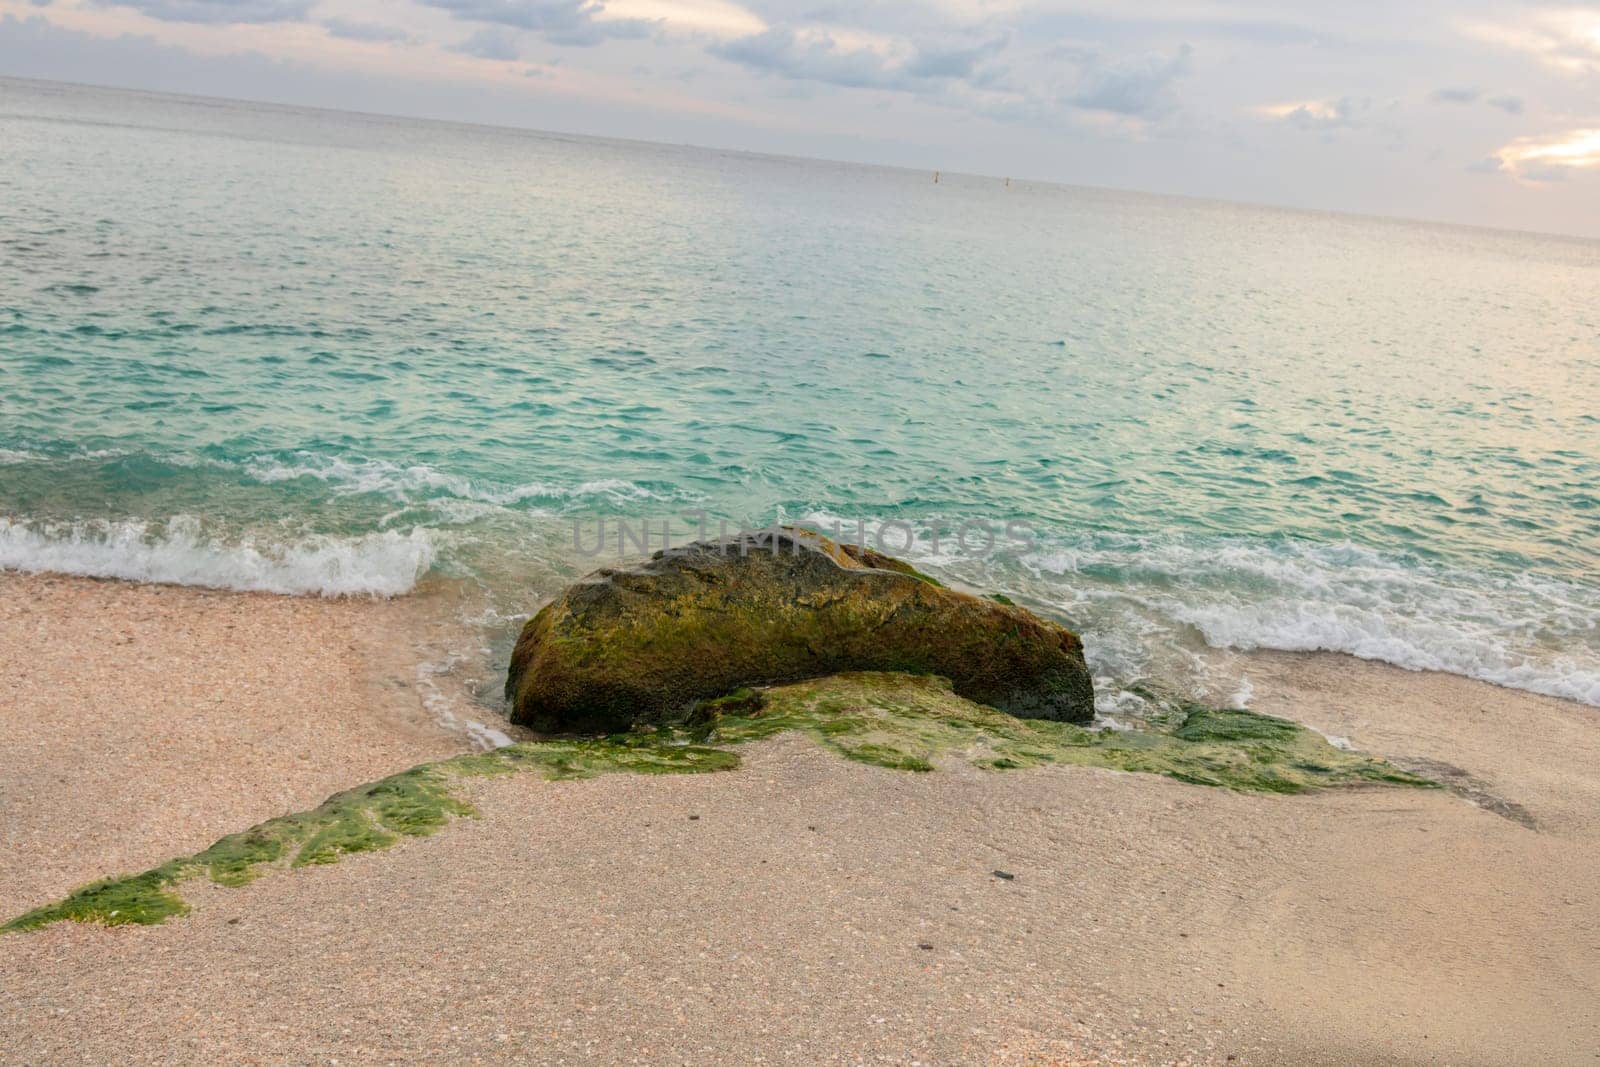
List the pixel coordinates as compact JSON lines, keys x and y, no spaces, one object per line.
{"x":868,"y":557}
{"x":643,"y":645}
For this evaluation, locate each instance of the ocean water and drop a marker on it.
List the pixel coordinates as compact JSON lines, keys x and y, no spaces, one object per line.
{"x":269,"y":348}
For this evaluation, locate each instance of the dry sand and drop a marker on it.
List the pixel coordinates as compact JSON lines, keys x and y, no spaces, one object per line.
{"x":138,"y":722}
{"x":777,"y":913}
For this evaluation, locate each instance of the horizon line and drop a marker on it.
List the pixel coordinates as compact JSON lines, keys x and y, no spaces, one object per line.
{"x":756,"y":154}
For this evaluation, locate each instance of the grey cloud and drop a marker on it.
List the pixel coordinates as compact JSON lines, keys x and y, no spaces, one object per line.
{"x":1141,"y":87}
{"x":1511,"y":105}
{"x":952,"y":62}
{"x":779,"y":51}
{"x":782,"y":52}
{"x":363,"y":31}
{"x":491,"y":42}
{"x":217,"y":11}
{"x":569,"y":22}
{"x":1220,"y":24}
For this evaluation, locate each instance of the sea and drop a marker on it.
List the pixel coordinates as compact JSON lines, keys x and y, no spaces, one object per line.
{"x":315,"y":353}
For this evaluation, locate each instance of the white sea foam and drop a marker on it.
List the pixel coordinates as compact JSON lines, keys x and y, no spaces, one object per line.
{"x":1244,"y":694}
{"x":1341,"y":743}
{"x":443,"y":707}
{"x":18,"y":456}
{"x":179,"y":552}
{"x":417,"y":482}
{"x":1457,"y":645}
{"x":1113,"y":705}
{"x":1520,"y":631}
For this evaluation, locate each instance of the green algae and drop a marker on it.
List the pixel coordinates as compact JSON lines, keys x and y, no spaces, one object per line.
{"x":143,"y":899}
{"x":634,"y":753}
{"x":899,"y":721}
{"x":413,"y":803}
{"x":914,"y":723}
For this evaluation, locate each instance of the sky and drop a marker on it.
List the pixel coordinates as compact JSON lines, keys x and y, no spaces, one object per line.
{"x":1485,"y":113}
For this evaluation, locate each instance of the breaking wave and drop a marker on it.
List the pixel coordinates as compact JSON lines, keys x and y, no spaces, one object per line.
{"x":1519,"y":631}
{"x":1130,"y":594}
{"x":180,"y":552}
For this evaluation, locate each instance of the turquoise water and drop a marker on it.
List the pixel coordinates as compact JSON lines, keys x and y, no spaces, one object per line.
{"x":309,"y":352}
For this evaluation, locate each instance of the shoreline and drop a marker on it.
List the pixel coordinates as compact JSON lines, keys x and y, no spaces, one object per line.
{"x":1150,"y":921}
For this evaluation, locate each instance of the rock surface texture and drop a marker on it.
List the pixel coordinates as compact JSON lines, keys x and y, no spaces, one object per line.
{"x":645,"y":644}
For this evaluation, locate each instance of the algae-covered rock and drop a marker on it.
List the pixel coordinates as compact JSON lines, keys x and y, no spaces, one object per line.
{"x":643,"y":644}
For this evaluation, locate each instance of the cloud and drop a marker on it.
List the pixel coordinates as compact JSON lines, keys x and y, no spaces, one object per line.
{"x":815,"y":57}
{"x":963,"y":76}
{"x":566,"y":22}
{"x":819,"y":57}
{"x":952,"y":62}
{"x":1565,"y":39}
{"x":718,"y":18}
{"x":216,"y":11}
{"x":1141,"y":87}
{"x":1544,"y":159}
{"x":491,"y":42}
{"x":363,"y":31}
{"x":1511,"y":105}
{"x":1343,"y":113}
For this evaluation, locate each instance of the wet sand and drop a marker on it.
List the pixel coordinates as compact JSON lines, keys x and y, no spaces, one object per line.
{"x":778,"y":912}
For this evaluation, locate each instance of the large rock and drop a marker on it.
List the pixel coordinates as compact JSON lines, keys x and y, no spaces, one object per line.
{"x":641,"y":645}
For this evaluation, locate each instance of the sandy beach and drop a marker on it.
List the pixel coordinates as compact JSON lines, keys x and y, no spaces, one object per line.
{"x":799,"y":909}
{"x":143,"y":721}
